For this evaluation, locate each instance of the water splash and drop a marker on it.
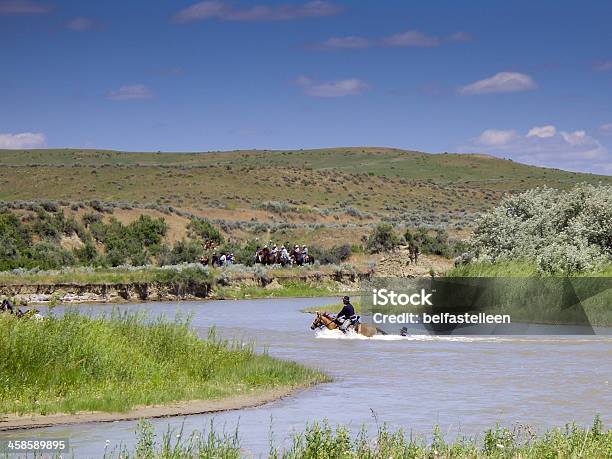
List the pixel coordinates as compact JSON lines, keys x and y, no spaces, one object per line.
{"x":351,"y":335}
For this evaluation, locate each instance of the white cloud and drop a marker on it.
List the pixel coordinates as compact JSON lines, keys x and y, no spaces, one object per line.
{"x":542,"y":131}
{"x":411,"y":38}
{"x":495,"y":137}
{"x":545,"y":146}
{"x":606,"y":129}
{"x":23,"y":140}
{"x":461,"y":37}
{"x":338,"y":88}
{"x":350,"y":42}
{"x":130,"y":92}
{"x":603,"y":66}
{"x":408,"y":39}
{"x":25,"y":7}
{"x":215,"y":9}
{"x":81,"y":24}
{"x":500,"y":82}
{"x":575,"y":138}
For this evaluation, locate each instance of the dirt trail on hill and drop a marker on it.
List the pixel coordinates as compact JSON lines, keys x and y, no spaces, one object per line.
{"x":398,"y":264}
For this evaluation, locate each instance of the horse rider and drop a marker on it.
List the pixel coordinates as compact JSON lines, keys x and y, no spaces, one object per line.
{"x":305,"y":253}
{"x":7,"y":306}
{"x":284,"y":254}
{"x":347,"y":315}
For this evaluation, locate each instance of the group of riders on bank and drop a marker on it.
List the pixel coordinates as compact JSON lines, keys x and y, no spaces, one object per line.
{"x":281,"y":256}
{"x":269,"y":254}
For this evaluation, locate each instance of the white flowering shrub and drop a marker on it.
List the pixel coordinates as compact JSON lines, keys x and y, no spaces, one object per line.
{"x":562,"y":231}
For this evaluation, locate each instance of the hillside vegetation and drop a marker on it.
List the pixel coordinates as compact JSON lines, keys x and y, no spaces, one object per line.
{"x":341,"y":185}
{"x":106,"y":208}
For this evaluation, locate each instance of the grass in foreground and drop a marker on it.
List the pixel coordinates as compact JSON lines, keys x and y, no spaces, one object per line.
{"x":321,"y":441}
{"x":114,"y":363}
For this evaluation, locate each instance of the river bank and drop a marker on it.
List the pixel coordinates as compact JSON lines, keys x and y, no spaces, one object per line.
{"x":178,"y":283}
{"x":184,"y":408}
{"x":71,"y":368}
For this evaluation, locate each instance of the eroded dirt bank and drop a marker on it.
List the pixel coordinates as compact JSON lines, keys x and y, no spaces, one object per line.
{"x":74,"y":293}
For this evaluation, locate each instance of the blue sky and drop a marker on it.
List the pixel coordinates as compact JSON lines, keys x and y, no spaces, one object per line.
{"x":526,"y":80}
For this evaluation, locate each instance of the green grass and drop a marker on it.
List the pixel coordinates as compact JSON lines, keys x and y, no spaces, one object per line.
{"x":286,"y":288}
{"x":335,"y":307}
{"x":321,"y":441}
{"x":500,"y":269}
{"x":514,"y":269}
{"x":109,"y":276}
{"x":114,"y":363}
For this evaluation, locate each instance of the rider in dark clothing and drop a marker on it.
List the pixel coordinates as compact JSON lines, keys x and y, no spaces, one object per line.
{"x":348,"y":309}
{"x":7,"y":306}
{"x":347,"y":315}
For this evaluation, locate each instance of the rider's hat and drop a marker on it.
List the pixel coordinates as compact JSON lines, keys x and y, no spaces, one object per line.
{"x":346,"y":299}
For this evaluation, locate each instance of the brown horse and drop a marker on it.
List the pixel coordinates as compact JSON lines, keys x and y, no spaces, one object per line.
{"x":324,"y":319}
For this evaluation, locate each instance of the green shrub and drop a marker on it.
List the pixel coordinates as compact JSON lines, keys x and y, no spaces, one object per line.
{"x":87,"y":254}
{"x":437,"y":243}
{"x":134,"y":244}
{"x":184,"y":251}
{"x":383,"y":238}
{"x":561,"y":231}
{"x":49,"y":255}
{"x":334,"y":255}
{"x":202,"y":228}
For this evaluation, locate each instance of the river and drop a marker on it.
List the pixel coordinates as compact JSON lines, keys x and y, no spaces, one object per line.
{"x":464,"y":384}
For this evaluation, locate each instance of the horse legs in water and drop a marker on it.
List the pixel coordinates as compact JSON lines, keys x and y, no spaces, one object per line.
{"x":328,"y":321}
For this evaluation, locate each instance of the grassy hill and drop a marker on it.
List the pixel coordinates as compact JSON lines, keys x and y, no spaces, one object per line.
{"x":324,"y":194}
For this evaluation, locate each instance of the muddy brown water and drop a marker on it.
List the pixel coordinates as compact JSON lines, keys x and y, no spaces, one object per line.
{"x":463,"y":383}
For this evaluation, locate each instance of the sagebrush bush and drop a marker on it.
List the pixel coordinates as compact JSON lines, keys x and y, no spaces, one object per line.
{"x":382,"y":238}
{"x":561,"y":231}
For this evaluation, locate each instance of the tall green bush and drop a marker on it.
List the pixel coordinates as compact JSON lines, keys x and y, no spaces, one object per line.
{"x":561,"y":231}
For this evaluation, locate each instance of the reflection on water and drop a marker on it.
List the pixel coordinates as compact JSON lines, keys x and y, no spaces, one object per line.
{"x":463,"y":383}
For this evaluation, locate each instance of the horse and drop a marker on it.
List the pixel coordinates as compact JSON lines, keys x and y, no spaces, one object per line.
{"x":324,"y":319}
{"x":265,"y":257}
